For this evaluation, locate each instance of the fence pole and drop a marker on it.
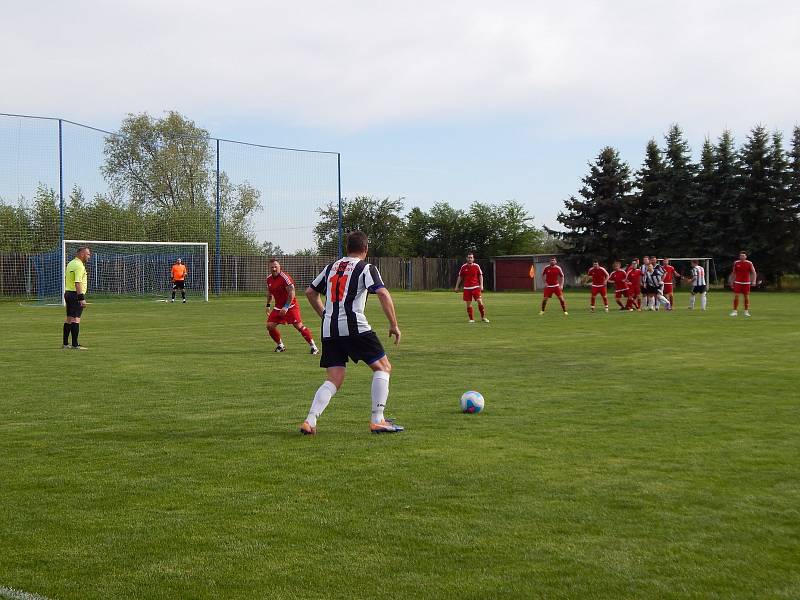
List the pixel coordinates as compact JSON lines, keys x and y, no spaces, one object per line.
{"x":60,"y":201}
{"x":218,"y":274}
{"x":339,"y":178}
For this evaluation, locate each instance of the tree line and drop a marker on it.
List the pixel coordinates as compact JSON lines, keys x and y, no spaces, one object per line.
{"x":745,"y":198}
{"x":162,"y":186}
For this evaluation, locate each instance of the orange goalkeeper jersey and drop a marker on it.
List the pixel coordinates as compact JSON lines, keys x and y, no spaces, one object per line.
{"x":178,"y":272}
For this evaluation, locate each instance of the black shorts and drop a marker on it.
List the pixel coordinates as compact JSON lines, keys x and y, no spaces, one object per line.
{"x":74,"y":308}
{"x":651,"y":289}
{"x":364,"y":346}
{"x":698,"y":289}
{"x":178,"y":285}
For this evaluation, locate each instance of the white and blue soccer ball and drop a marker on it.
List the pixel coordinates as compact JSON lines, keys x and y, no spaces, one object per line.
{"x":471,"y":402}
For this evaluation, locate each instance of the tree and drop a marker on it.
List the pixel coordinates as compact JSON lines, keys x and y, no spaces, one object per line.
{"x":159,"y":163}
{"x":680,"y":199}
{"x":794,"y":196}
{"x":379,"y":218}
{"x":725,"y":199}
{"x":596,"y":224}
{"x":646,"y":205}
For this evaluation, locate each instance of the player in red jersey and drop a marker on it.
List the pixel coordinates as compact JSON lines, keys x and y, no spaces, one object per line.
{"x":634,"y":286}
{"x":743,"y":276}
{"x":620,"y":279}
{"x":599,"y":281}
{"x":553,"y":278}
{"x":280,"y":287}
{"x":472,"y":276}
{"x":669,"y":281}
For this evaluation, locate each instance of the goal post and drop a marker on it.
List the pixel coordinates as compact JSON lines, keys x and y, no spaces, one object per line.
{"x":143,"y":269}
{"x":706,"y":262}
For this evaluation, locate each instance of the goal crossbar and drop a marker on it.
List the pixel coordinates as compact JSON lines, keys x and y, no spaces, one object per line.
{"x":203,"y":245}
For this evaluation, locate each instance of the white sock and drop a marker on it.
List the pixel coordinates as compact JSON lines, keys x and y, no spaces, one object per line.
{"x":380,"y":393}
{"x":321,"y":399}
{"x":691,"y":301}
{"x":703,"y":301}
{"x":663,"y":300}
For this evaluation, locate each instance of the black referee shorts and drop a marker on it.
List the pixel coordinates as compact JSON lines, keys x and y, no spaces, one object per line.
{"x":74,"y":308}
{"x":337,"y":351}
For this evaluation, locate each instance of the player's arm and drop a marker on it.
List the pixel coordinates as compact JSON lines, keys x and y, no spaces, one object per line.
{"x":289,"y":298}
{"x":315,"y":301}
{"x":268,"y":299}
{"x":752,"y":274}
{"x":458,"y":283}
{"x":481,"y":280}
{"x":79,"y":292}
{"x":385,"y":298}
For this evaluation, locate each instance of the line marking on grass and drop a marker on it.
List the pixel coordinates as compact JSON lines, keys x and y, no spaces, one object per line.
{"x":7,"y":593}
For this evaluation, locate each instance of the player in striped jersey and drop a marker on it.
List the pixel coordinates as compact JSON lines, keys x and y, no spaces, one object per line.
{"x":346,"y":334}
{"x":698,"y":285}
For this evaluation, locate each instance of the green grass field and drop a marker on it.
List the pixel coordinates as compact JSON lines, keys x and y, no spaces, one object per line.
{"x":621,"y":455}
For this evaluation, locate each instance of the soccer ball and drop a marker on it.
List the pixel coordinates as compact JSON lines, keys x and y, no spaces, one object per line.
{"x":471,"y":402}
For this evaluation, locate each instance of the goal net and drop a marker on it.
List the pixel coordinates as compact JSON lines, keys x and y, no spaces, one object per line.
{"x":683,"y":266}
{"x":140,"y":269}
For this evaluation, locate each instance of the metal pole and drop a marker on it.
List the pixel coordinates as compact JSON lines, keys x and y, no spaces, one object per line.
{"x":61,"y":206}
{"x":341,"y":226}
{"x":218,"y":274}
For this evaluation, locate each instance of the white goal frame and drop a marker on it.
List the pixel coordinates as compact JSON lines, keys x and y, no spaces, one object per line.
{"x":89,"y":243}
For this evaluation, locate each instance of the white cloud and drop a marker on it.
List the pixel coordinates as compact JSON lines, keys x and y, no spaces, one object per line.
{"x":589,"y":66}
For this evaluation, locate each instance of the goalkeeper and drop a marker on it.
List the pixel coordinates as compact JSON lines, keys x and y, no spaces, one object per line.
{"x":179,"y":273}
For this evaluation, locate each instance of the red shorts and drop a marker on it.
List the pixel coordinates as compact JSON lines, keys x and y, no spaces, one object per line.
{"x":668,"y":288}
{"x":634,"y":291}
{"x":473,"y":294}
{"x":621,"y":293}
{"x":741,"y":288}
{"x":598,"y":289}
{"x":551,"y":290}
{"x":292,"y":316}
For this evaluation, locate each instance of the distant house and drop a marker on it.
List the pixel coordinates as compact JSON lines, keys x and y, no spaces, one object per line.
{"x":514,"y":272}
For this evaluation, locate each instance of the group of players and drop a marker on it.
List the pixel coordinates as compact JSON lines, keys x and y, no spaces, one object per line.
{"x":648,"y":286}
{"x":346,"y":334}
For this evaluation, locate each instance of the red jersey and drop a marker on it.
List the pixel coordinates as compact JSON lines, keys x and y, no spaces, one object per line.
{"x":471,"y":275}
{"x":551,"y":274}
{"x":278,"y":288}
{"x":599,"y":276}
{"x":742,"y":271}
{"x":635,"y":277}
{"x":620,"y":279}
{"x":669,"y":273}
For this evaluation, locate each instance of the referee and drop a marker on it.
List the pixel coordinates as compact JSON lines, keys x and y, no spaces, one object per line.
{"x":75,"y":283}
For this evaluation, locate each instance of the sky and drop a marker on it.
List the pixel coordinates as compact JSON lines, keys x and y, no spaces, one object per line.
{"x":429,"y":101}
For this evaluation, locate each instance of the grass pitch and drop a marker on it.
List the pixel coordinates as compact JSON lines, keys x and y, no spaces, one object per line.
{"x":619,"y":456}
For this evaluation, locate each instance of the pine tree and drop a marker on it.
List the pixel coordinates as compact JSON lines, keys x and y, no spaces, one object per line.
{"x":702,"y":221}
{"x":725,"y":199}
{"x":680,"y":197}
{"x":648,"y":202}
{"x":794,"y":198}
{"x":596,"y":222}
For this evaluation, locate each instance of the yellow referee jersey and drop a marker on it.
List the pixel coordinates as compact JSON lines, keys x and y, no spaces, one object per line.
{"x":76,"y":271}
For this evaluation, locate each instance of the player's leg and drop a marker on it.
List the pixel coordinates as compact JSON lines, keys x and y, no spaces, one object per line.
{"x":381,"y":370}
{"x":746,"y":295}
{"x":703,"y":300}
{"x":594,"y":294}
{"x":562,"y":300}
{"x":75,"y":329}
{"x":604,"y":296}
{"x":692,"y":300}
{"x":307,"y":336}
{"x":174,"y":287}
{"x":183,"y":292}
{"x":470,"y":312}
{"x":334,"y":378}
{"x":735,"y":310}
{"x":272,"y":329}
{"x":617,"y":299}
{"x":544,"y":304}
{"x":481,"y":308}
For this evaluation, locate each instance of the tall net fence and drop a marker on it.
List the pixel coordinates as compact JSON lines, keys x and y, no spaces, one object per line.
{"x":61,"y":180}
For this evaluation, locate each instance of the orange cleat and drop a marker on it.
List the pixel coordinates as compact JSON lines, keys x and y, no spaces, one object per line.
{"x":307,"y":429}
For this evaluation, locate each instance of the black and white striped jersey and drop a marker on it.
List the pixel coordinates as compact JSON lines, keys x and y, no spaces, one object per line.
{"x":698,"y":276}
{"x":345,"y":284}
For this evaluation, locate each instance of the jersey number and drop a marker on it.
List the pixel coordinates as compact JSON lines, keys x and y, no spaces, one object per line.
{"x":338,"y":285}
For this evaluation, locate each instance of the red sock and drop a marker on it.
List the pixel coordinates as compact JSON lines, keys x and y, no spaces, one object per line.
{"x":470,"y":313}
{"x":483,"y":311}
{"x":306,"y":333}
{"x":747,"y":302}
{"x":275,"y":335}
{"x":620,"y":304}
{"x":544,"y":303}
{"x":592,"y":301}
{"x":736,"y":302}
